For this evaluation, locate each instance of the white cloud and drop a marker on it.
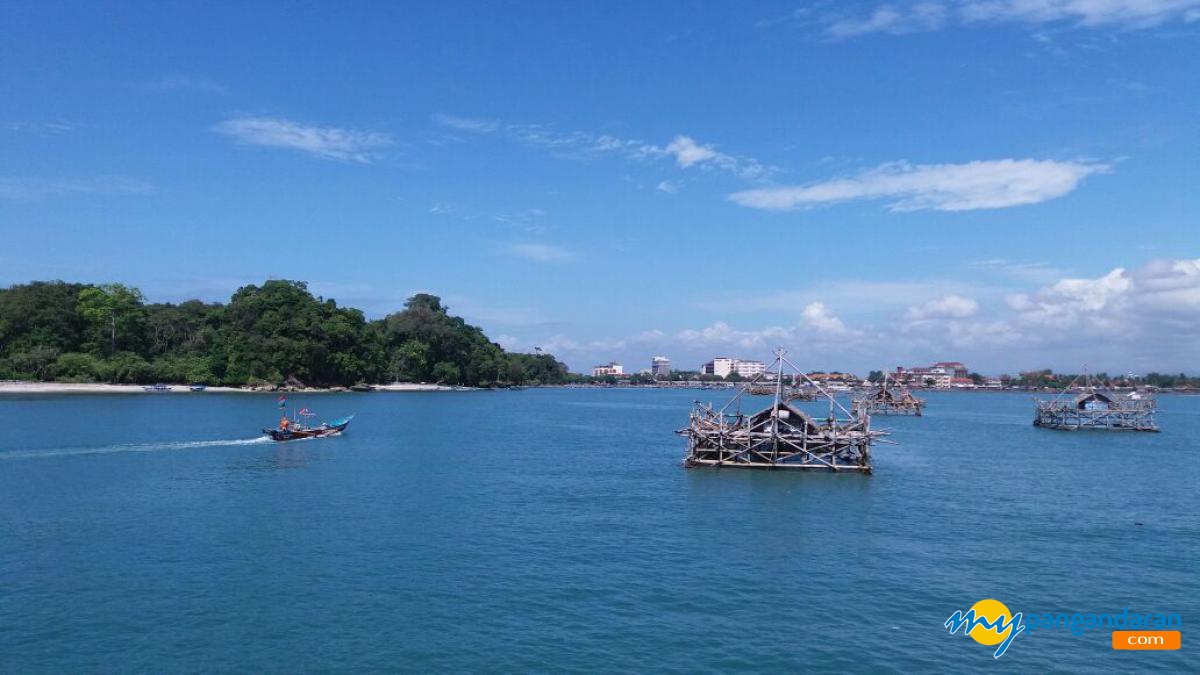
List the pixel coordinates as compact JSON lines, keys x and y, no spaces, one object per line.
{"x":688,"y":152}
{"x":915,"y":16}
{"x":721,"y":335}
{"x":54,"y":128}
{"x":1124,"y":13}
{"x":669,"y":187}
{"x":183,"y":82}
{"x":1033,"y":272}
{"x":1139,"y":319}
{"x":545,"y":253}
{"x":1157,"y":304}
{"x":989,"y":184}
{"x":684,"y":150}
{"x":471,"y":124}
{"x":32,"y":189}
{"x":920,"y":16}
{"x":946,"y":307}
{"x":345,"y":145}
{"x":818,"y":317}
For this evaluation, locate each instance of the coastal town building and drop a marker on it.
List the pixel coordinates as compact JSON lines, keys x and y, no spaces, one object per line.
{"x":942,"y":375}
{"x":723,"y":366}
{"x":660,"y":366}
{"x":834,"y":377}
{"x":611,"y":368}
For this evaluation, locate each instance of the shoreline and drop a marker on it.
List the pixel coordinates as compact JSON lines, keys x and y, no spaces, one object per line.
{"x":20,"y":387}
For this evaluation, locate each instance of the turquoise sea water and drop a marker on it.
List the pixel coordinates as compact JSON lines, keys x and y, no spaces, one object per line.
{"x":554,"y":530}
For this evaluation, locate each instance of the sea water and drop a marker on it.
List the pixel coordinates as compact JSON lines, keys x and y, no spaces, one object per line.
{"x":555,"y":530}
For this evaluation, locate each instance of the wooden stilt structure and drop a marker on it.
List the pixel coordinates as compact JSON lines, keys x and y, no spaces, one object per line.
{"x":885,"y":400}
{"x":779,"y":436}
{"x":1089,"y":406}
{"x":792,"y":392}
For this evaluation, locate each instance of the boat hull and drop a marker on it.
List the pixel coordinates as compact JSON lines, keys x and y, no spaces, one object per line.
{"x":299,"y":434}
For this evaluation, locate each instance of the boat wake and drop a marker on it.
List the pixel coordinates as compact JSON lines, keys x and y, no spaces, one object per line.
{"x":129,"y":447}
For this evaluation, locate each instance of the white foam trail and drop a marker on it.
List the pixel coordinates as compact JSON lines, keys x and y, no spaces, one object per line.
{"x":131,"y":447}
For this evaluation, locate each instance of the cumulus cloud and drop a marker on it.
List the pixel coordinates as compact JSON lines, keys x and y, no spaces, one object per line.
{"x":669,"y":187}
{"x":946,"y":307}
{"x":1070,"y":302}
{"x":917,"y":16}
{"x":818,"y":317}
{"x":1141,"y":318}
{"x":688,"y":152}
{"x":346,"y":145}
{"x":990,"y":184}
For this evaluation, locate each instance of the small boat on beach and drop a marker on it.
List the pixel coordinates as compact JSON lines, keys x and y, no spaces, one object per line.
{"x":157,"y":388}
{"x":294,"y":430}
{"x":198,"y":387}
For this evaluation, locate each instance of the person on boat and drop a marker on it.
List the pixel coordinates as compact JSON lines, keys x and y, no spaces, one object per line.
{"x":284,"y":423}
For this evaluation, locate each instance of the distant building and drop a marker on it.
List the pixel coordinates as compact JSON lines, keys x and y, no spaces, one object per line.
{"x":943,"y":375}
{"x":722,"y":366}
{"x":719,"y":366}
{"x":834,"y":377}
{"x":611,"y":368}
{"x":660,"y":366}
{"x":952,"y":368}
{"x":749,"y":368}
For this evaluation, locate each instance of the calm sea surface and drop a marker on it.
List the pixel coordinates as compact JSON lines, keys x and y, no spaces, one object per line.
{"x":554,"y":530}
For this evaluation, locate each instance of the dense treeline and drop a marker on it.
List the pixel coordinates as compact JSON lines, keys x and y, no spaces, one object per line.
{"x":276,"y":333}
{"x":1051,"y":380}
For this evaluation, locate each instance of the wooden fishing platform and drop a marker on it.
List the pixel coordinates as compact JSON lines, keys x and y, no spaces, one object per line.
{"x":1093,"y":407}
{"x":790,"y":393}
{"x":885,"y":400}
{"x":779,"y":436}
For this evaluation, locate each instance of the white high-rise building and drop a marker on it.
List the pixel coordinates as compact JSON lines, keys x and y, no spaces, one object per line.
{"x":660,"y":366}
{"x":612,"y":368}
{"x":722,"y":366}
{"x":749,"y":368}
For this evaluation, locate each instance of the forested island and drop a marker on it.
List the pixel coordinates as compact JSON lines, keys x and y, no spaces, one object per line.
{"x":274,"y":334}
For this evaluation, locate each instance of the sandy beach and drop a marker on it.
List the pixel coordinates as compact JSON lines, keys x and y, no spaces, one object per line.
{"x":414,"y":386}
{"x":17,"y":387}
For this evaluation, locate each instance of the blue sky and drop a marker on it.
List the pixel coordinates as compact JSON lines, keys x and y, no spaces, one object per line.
{"x":1005,"y":182}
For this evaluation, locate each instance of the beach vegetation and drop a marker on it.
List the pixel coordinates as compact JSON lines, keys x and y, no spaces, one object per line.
{"x":270,"y":334}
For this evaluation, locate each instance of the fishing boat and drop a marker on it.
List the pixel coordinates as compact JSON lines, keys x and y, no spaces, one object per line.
{"x":157,"y":388}
{"x":300,"y":427}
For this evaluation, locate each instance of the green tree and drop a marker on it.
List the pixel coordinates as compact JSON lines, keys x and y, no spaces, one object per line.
{"x":79,"y":367}
{"x":38,"y":363}
{"x":40,"y":314}
{"x":114,"y":310}
{"x":446,"y":373}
